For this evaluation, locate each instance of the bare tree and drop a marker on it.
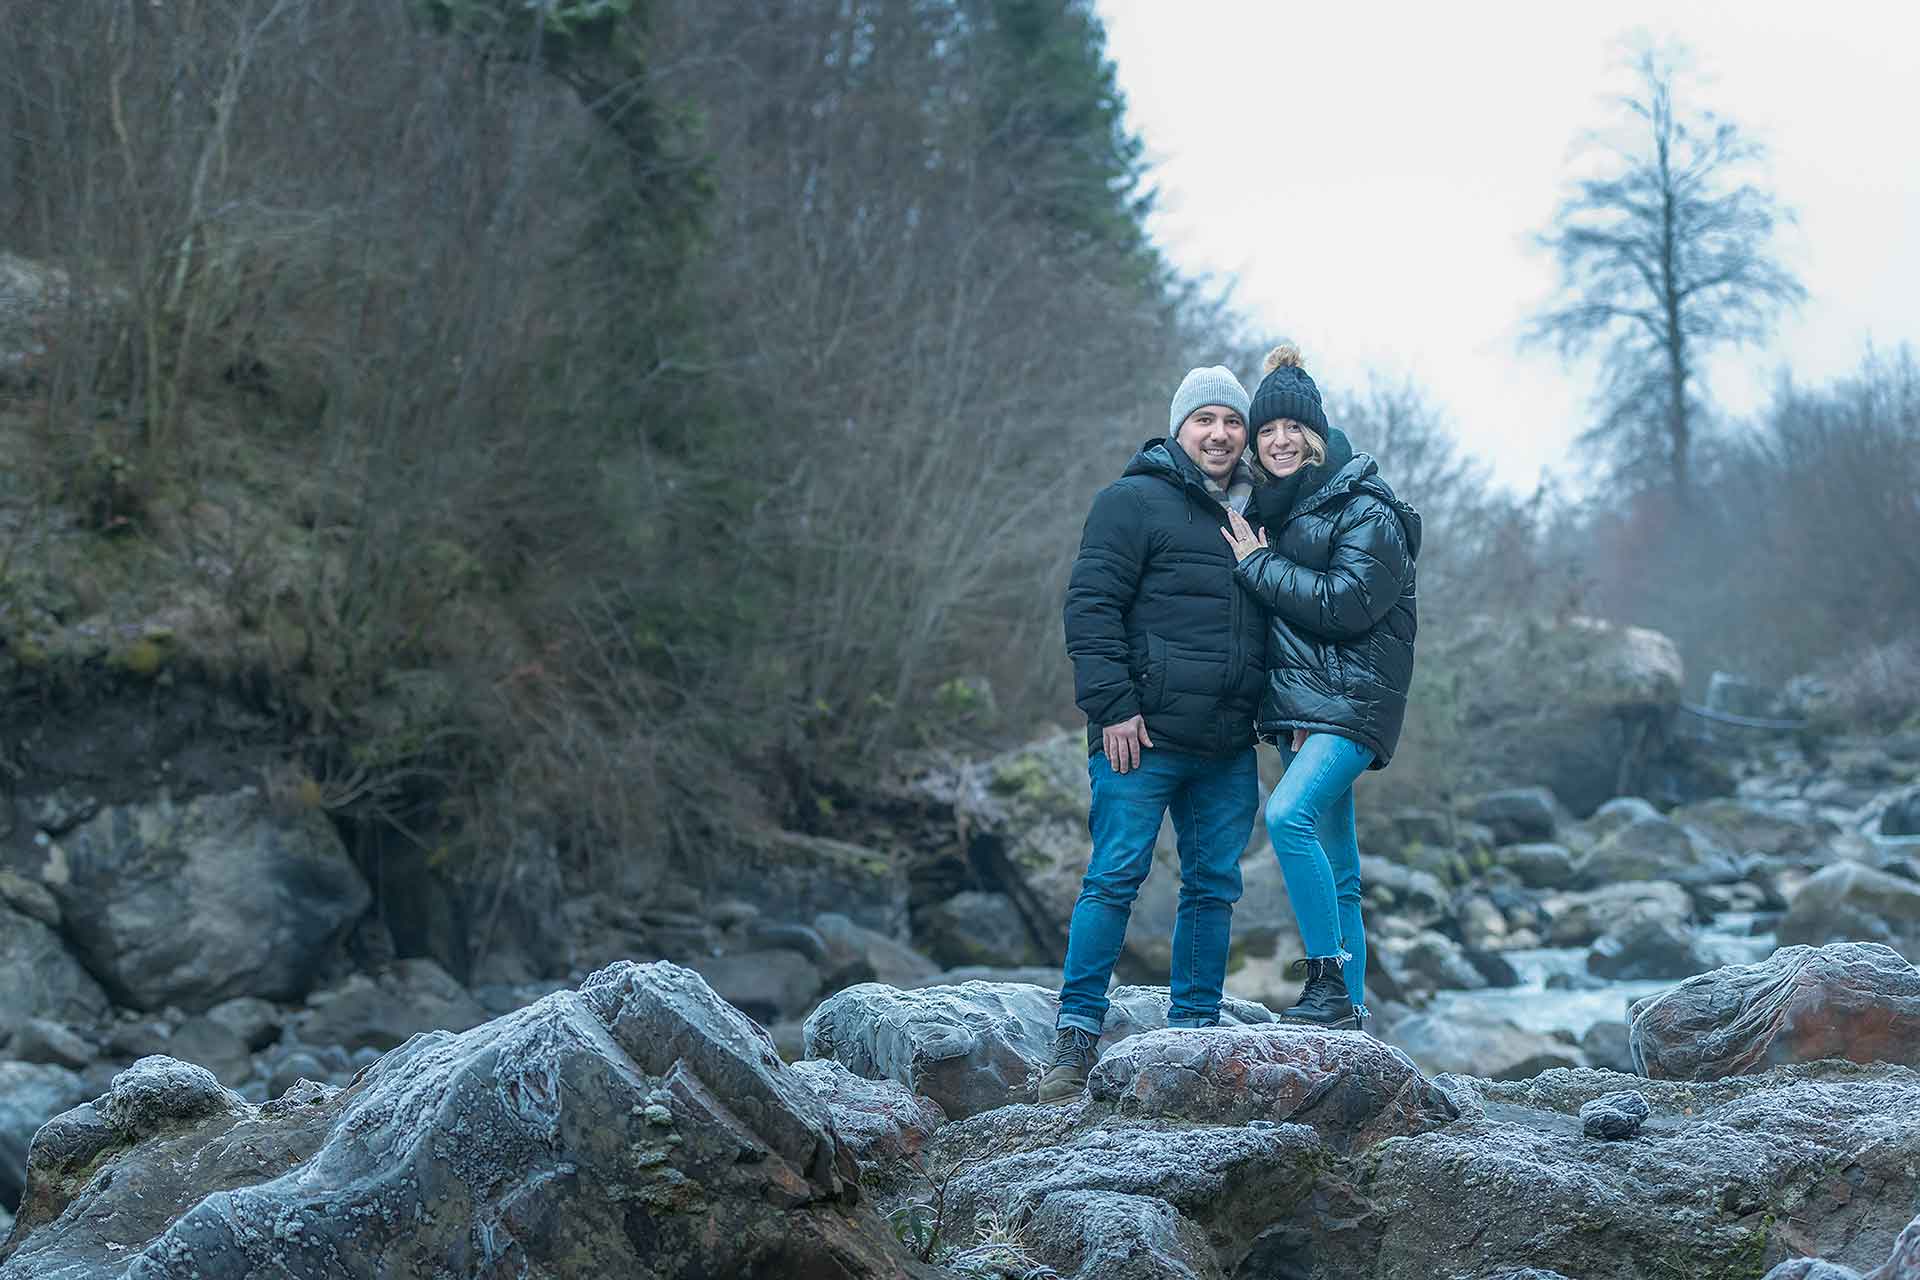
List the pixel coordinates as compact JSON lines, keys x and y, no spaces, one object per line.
{"x":1662,"y":257}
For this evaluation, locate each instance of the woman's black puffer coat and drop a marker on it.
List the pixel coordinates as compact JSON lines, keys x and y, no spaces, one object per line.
{"x":1337,"y":581}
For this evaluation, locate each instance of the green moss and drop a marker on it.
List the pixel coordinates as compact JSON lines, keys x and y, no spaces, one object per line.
{"x":144,"y":657}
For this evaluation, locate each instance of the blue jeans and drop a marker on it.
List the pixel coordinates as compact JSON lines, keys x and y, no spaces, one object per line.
{"x":1310,"y":821}
{"x":1213,"y":800}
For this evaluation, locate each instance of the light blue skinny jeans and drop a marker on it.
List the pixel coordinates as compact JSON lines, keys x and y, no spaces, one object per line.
{"x":1213,"y":800}
{"x":1310,"y":821}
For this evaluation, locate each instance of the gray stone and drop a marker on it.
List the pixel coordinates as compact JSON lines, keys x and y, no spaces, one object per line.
{"x":1427,"y":961}
{"x":1621,"y":811}
{"x":1749,"y":826}
{"x":1615,"y":1115}
{"x":1655,"y":848}
{"x":43,"y":979}
{"x":1223,"y":1179}
{"x":1605,"y":1044}
{"x":1539,"y":866}
{"x":637,"y":1127}
{"x":976,"y":1046}
{"x":207,"y":1043}
{"x":770,"y":935}
{"x":767,"y":986}
{"x":977,"y":928}
{"x":1408,"y":893}
{"x":29,"y":899}
{"x":794,"y":876}
{"x":858,"y":954}
{"x":1423,"y":826}
{"x":30,"y":1095}
{"x":1901,"y":817}
{"x":197,"y":903}
{"x":257,"y":1022}
{"x":1519,"y":815}
{"x":1579,"y":918}
{"x":49,"y":1043}
{"x":1858,"y":1001}
{"x":876,"y":1119}
{"x":1646,"y":946}
{"x":382,"y":1010}
{"x":1108,"y":1235}
{"x":291,"y":1068}
{"x":1847,"y":902}
{"x":1349,"y":1087}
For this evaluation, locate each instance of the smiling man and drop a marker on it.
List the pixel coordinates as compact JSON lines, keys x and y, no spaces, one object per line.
{"x":1168,"y":665}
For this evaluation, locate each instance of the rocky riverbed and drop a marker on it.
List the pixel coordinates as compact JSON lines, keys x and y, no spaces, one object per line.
{"x":1527,"y":961}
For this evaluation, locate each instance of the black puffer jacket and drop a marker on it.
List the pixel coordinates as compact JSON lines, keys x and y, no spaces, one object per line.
{"x":1155,"y":626}
{"x":1338,"y":586}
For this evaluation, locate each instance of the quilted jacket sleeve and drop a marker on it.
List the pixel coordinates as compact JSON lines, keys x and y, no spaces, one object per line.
{"x":1370,"y":567}
{"x":1106,"y":574}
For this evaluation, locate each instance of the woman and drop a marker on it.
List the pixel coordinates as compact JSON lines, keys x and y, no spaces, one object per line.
{"x":1332,"y":565}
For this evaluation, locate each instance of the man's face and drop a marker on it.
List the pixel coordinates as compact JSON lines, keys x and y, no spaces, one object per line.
{"x":1214,"y":436}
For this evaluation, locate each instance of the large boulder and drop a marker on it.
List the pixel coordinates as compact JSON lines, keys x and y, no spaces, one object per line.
{"x":790,"y":875}
{"x":42,"y":978}
{"x":194,"y":904}
{"x":768,"y":986}
{"x":30,"y":1095}
{"x":1656,"y":848}
{"x":1858,"y":1001}
{"x":1577,"y":919}
{"x":1582,"y":708}
{"x":383,"y":1010}
{"x":1792,"y":832}
{"x":1352,"y":1089}
{"x":637,"y":1127}
{"x":1851,"y":902}
{"x":1646,"y":945}
{"x":1539,"y":866}
{"x":855,"y":953}
{"x":976,"y":1046}
{"x":1519,"y":815}
{"x":973,"y":927}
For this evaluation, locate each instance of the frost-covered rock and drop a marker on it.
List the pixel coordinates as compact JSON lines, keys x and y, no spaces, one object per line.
{"x":1349,"y":1087}
{"x":972,"y":1047}
{"x":638,"y":1126}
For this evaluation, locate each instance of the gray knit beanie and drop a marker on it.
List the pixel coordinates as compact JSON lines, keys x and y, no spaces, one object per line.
{"x":1214,"y":384}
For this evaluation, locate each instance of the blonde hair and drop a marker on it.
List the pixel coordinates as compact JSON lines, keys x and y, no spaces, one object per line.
{"x":1287,"y":356}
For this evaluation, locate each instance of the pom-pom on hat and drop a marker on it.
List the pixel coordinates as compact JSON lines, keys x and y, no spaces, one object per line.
{"x":1214,"y":384}
{"x":1287,"y":392}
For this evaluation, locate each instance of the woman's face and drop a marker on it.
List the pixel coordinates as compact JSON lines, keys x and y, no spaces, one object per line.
{"x":1281,"y":447}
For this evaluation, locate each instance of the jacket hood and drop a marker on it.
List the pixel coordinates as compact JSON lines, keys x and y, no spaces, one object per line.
{"x":1161,"y":457}
{"x":1361,"y":474}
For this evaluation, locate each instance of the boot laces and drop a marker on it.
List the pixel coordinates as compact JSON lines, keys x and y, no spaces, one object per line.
{"x":1071,"y":1047}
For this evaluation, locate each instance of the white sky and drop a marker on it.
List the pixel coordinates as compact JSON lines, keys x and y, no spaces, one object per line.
{"x":1372,"y":175}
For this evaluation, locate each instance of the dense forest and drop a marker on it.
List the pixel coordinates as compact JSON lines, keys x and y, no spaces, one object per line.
{"x":641,"y":420}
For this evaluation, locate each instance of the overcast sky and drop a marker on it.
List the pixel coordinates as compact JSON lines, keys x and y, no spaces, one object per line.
{"x":1372,"y":175}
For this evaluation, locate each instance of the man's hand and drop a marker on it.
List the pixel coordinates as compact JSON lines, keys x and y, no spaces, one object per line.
{"x":1239,"y":535}
{"x":1123,"y":743}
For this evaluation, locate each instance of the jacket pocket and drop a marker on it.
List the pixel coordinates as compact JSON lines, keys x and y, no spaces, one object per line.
{"x":1153,"y":679}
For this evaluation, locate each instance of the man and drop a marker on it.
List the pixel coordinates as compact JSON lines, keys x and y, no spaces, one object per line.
{"x":1168,"y":664}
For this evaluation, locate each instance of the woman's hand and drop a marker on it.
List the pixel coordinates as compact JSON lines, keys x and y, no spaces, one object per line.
{"x":1240,"y":536}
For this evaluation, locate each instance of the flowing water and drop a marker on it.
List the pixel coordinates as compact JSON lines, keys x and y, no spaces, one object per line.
{"x":1727,"y":939}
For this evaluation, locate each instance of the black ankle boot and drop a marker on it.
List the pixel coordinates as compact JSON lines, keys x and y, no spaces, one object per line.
{"x":1324,"y":1002}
